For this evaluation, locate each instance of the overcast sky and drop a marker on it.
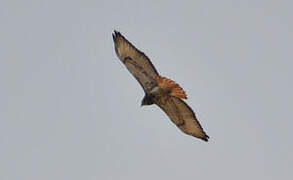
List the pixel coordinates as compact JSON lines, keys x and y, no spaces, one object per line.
{"x":70,"y":110}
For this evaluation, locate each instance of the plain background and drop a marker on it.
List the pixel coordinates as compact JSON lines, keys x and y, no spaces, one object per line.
{"x":69,"y":109}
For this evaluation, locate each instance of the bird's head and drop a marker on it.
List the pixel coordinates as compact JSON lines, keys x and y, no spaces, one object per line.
{"x":147,"y":100}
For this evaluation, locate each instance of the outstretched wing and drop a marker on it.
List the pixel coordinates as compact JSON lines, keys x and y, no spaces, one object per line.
{"x":182,"y":116}
{"x":136,"y":62}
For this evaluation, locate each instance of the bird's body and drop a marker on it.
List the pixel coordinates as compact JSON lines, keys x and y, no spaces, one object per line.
{"x":158,"y":90}
{"x":156,"y":95}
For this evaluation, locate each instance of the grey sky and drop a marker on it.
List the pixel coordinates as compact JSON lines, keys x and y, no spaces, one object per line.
{"x":70,"y":110}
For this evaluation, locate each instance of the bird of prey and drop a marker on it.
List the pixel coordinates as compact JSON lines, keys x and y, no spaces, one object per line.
{"x":159,"y":90}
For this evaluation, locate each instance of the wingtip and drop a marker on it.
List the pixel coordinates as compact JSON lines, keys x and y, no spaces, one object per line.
{"x":206,"y":138}
{"x":116,"y":33}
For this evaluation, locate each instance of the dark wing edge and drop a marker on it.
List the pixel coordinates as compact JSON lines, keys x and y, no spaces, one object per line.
{"x":138,"y":64}
{"x":183,"y":117}
{"x":117,"y":35}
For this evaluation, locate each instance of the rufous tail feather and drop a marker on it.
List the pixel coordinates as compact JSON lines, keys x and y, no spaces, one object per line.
{"x":175,"y":89}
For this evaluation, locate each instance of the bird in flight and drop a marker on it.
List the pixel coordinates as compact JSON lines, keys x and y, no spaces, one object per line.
{"x":159,"y":90}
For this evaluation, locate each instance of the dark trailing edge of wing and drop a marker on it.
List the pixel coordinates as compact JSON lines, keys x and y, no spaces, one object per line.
{"x":118,"y":34}
{"x":206,"y":138}
{"x":115,"y":42}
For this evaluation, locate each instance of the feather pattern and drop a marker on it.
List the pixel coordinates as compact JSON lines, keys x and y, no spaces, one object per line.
{"x":169,"y":85}
{"x":161,"y":91}
{"x":138,"y":64}
{"x":182,"y":116}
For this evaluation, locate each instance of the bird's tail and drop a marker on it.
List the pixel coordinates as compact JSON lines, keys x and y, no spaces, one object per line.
{"x":172,"y":87}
